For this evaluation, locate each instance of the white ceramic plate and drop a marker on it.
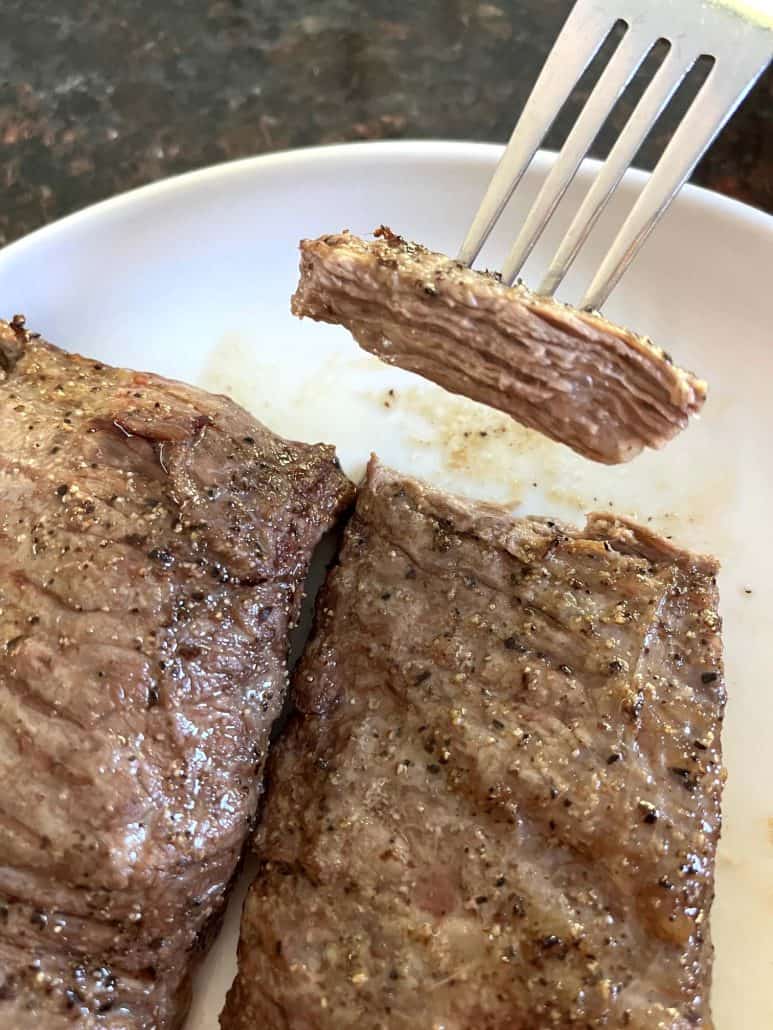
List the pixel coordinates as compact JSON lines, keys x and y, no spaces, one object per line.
{"x":192,"y":278}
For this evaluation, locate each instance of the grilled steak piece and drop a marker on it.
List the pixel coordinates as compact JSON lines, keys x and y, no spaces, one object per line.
{"x":569,"y":374}
{"x":153,"y":545}
{"x":498,"y":803}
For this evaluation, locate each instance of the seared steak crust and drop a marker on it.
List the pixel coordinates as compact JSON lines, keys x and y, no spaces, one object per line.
{"x":153,"y":544}
{"x":498,"y":803}
{"x":572,"y":375}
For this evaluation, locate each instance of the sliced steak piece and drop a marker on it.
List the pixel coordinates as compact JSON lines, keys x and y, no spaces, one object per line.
{"x":498,"y":803}
{"x":570,"y":374}
{"x":153,"y":545}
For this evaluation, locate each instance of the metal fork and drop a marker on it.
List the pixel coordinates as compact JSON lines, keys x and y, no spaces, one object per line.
{"x":740,"y":46}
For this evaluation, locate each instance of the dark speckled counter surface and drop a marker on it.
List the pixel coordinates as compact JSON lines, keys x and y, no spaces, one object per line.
{"x":97,"y":96}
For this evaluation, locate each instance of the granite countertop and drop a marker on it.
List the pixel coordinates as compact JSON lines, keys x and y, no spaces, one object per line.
{"x":97,"y":96}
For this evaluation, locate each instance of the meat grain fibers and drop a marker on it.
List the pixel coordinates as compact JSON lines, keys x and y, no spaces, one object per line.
{"x":499,"y":801}
{"x":569,"y":374}
{"x":153,"y":545}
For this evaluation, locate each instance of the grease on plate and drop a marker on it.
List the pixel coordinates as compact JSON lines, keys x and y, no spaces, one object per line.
{"x":352,"y":399}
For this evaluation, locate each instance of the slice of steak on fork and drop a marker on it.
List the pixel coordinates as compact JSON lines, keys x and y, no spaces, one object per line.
{"x":154,"y":541}
{"x":498,"y":803}
{"x":570,"y":374}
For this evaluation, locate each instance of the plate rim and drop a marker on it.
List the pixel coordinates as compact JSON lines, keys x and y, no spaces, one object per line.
{"x":145,"y":200}
{"x":454,"y":150}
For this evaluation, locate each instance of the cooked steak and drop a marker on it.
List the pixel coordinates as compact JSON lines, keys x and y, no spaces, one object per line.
{"x":569,"y":374}
{"x":498,"y":803}
{"x":153,"y":545}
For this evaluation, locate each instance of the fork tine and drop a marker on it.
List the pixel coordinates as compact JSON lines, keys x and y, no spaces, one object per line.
{"x":720,"y":95}
{"x":635,"y":46}
{"x":657,"y":94}
{"x":584,"y":31}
